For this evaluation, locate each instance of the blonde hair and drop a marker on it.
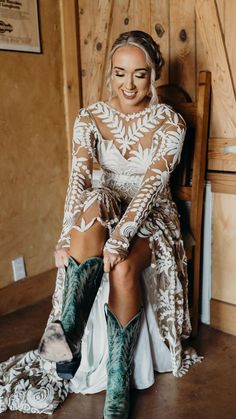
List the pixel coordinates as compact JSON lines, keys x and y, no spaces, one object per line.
{"x":152,"y":52}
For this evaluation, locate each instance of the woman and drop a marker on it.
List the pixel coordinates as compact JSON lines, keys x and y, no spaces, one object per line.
{"x":127,"y":228}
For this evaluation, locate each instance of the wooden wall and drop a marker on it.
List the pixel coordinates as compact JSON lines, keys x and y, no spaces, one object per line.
{"x":101,"y":22}
{"x":33,"y":156}
{"x":194,"y":35}
{"x":197,"y":35}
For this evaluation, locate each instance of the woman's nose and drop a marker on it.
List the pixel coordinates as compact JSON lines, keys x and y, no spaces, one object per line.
{"x":129,"y":83}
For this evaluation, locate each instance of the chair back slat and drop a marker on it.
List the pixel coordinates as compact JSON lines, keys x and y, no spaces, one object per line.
{"x":200,"y":152}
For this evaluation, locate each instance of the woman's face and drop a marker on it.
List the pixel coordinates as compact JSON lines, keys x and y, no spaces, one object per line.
{"x":130,"y":78}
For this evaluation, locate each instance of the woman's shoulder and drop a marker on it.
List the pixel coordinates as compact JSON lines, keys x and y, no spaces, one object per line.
{"x":85,"y":113}
{"x":89,"y":110}
{"x":169,"y":114}
{"x":94,"y":106}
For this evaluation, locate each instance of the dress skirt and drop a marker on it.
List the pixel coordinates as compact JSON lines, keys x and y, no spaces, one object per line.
{"x":151,"y":353}
{"x":30,"y":384}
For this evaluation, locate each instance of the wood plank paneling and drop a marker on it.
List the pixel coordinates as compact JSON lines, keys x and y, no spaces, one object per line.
{"x":141,"y":15}
{"x":223,"y":122}
{"x":122,"y":19}
{"x":182,"y":45}
{"x":230,"y":37}
{"x":220,"y":4}
{"x":224,"y":248}
{"x":224,"y":183}
{"x":160,"y":31}
{"x":102,"y":21}
{"x":70,"y":60}
{"x":223,"y":316}
{"x":95,"y":22}
{"x":222,"y":154}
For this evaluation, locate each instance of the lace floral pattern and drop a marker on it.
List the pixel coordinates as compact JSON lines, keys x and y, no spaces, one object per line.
{"x":30,"y":385}
{"x":137,"y":154}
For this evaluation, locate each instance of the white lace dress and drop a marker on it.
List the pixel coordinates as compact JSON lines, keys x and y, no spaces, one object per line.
{"x":137,"y":153}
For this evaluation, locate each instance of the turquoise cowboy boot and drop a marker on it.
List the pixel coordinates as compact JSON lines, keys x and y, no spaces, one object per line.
{"x":121,"y":345}
{"x":61,"y":341}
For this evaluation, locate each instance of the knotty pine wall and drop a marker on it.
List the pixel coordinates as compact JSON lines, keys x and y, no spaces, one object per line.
{"x":33,"y":155}
{"x":100,"y":22}
{"x":194,"y":35}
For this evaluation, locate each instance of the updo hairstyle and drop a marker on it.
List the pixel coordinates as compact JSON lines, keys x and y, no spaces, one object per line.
{"x":152,"y":52}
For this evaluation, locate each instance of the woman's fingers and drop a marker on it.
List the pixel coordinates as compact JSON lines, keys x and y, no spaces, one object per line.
{"x":61,"y":258}
{"x":66,"y":257}
{"x":60,"y":262}
{"x":110,"y":261}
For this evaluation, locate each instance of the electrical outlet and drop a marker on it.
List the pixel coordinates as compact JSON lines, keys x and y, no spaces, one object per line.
{"x":18,"y":266}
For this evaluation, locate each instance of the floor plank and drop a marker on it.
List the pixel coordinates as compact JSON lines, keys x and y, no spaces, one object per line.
{"x":206,"y":392}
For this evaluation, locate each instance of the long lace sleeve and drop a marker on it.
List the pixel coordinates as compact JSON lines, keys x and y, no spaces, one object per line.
{"x":170,"y":141}
{"x":81,"y":172}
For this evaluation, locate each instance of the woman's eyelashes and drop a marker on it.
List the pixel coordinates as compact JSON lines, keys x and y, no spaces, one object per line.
{"x":139,"y":76}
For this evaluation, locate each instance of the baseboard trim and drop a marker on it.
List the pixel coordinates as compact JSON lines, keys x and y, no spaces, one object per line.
{"x":223,"y":316}
{"x":27,"y":291}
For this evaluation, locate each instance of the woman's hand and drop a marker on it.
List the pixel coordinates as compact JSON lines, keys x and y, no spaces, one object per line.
{"x":61,"y":257}
{"x":111,"y":260}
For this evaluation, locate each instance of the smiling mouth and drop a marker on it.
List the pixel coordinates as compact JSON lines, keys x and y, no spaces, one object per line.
{"x":129,"y":95}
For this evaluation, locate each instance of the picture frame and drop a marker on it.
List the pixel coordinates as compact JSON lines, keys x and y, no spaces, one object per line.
{"x":19,"y":26}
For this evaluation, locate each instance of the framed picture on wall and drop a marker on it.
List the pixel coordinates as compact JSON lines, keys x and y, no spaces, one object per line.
{"x":19,"y":25}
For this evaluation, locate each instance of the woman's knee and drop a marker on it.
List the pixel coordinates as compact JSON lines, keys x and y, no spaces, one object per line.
{"x":88,"y":243}
{"x":124,"y":275}
{"x":124,"y":269}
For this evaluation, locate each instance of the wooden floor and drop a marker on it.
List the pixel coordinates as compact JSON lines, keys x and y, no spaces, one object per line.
{"x":208,"y":391}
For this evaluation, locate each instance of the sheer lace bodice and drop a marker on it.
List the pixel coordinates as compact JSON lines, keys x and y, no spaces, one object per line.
{"x":137,"y":152}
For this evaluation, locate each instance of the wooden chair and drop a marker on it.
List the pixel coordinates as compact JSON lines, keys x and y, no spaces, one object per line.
{"x":188,"y":180}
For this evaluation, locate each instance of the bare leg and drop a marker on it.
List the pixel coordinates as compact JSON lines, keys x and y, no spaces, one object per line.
{"x":88,"y":243}
{"x":125,"y":302}
{"x":125,"y":293}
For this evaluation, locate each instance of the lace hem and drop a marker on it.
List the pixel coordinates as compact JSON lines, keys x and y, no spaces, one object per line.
{"x":189,"y":358}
